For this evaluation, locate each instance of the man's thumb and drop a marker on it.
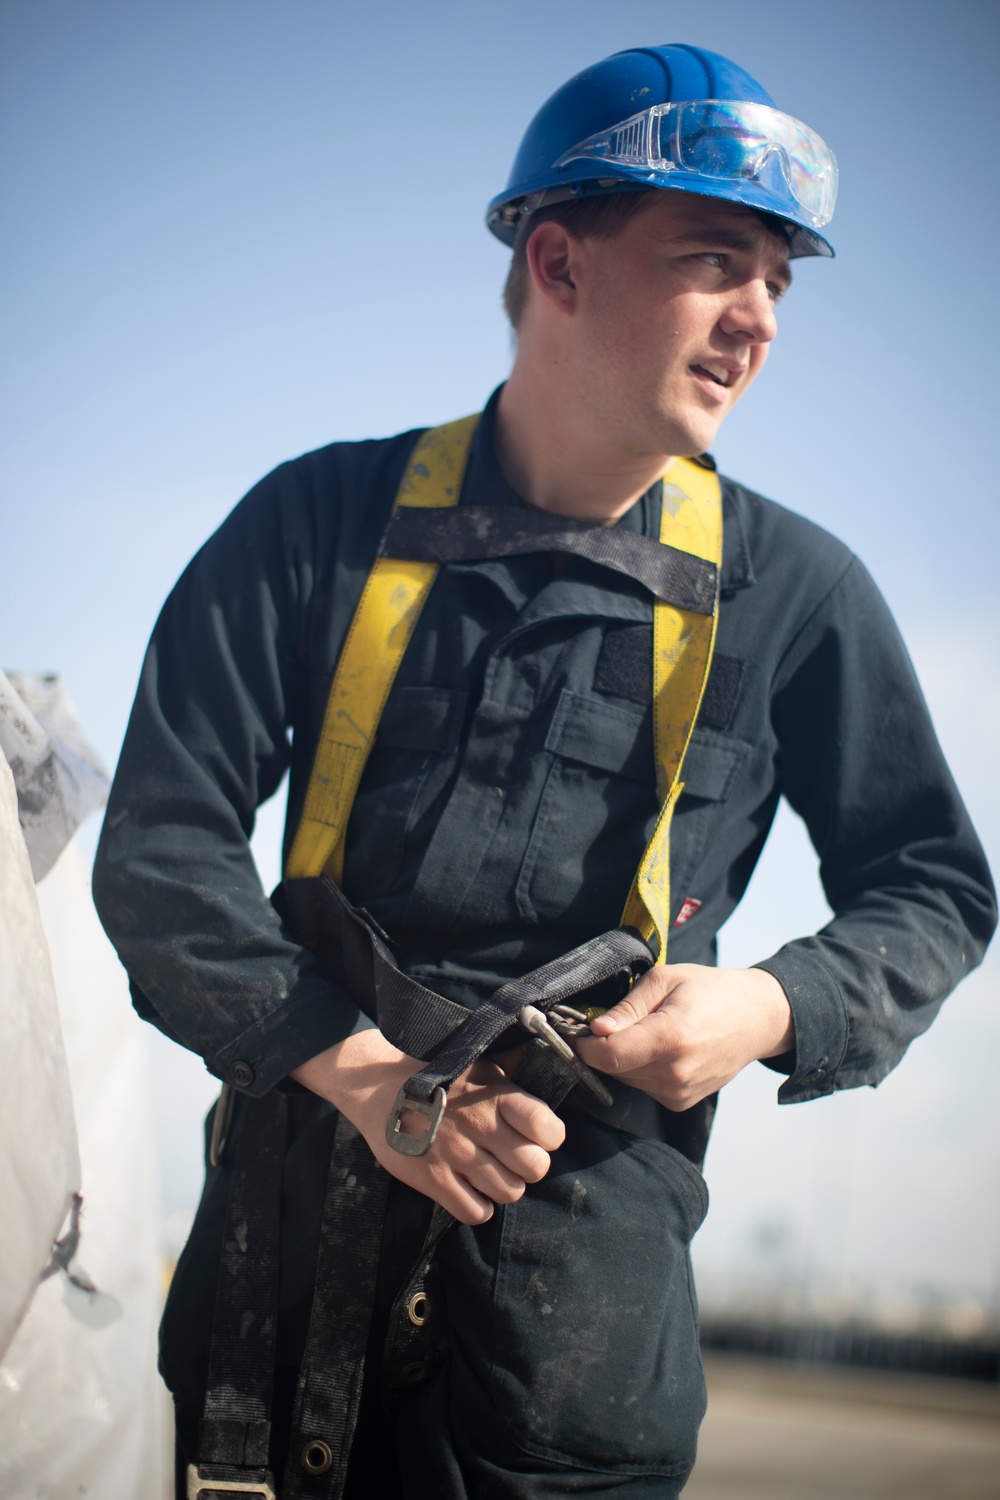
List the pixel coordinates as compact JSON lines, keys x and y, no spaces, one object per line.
{"x":643,"y":998}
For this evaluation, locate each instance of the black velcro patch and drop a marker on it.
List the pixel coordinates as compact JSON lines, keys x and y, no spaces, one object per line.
{"x":721,"y":691}
{"x":625,"y":667}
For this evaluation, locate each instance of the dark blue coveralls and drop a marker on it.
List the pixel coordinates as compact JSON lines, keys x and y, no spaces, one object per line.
{"x":499,"y":823}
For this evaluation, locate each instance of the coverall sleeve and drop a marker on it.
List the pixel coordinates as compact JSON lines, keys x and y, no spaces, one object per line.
{"x":208,"y":741}
{"x":902,"y":869}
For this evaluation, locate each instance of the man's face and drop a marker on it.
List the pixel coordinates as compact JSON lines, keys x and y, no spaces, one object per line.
{"x":674,"y":318}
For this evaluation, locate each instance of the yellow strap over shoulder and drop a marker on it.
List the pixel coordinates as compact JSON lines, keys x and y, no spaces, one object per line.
{"x":376,"y":643}
{"x":691,"y":520}
{"x":383,"y":625}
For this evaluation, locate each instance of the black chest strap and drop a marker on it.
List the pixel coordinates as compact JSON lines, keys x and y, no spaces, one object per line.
{"x":473,"y":533}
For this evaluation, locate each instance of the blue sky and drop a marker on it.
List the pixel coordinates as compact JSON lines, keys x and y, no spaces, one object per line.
{"x":236,"y":230}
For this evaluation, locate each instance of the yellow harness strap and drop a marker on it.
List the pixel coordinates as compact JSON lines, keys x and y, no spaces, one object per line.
{"x":384,"y":622}
{"x":691,"y":520}
{"x":380,"y":632}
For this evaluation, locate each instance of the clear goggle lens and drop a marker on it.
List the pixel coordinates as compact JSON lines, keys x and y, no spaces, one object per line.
{"x":728,"y":139}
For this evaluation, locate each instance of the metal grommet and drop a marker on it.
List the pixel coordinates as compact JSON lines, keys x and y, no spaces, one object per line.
{"x":418,"y":1309}
{"x":413,"y":1374}
{"x":316,"y":1456}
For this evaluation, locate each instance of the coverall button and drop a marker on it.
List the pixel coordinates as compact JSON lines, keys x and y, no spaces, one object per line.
{"x":241,"y":1074}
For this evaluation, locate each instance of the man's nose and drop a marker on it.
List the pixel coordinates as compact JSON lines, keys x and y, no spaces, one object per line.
{"x":750,"y":313}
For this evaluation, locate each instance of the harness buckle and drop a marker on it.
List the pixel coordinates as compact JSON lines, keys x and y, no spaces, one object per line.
{"x":197,"y":1485}
{"x":415,"y":1145}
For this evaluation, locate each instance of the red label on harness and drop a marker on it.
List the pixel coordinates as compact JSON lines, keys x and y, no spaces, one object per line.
{"x":687,"y":911}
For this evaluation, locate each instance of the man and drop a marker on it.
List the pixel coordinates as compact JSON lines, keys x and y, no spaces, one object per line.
{"x":528,"y":736}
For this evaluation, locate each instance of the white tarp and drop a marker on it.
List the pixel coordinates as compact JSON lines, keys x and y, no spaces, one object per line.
{"x":58,"y":777}
{"x":39,"y":1169}
{"x":82,"y":1409}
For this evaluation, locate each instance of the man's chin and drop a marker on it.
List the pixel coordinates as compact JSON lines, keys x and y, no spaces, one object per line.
{"x":690,"y":439}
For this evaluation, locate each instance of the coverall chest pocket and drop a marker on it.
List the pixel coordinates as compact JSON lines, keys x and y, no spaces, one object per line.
{"x":594,"y":815}
{"x":406,"y":775}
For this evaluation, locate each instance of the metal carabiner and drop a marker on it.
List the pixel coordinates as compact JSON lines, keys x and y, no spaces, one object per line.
{"x":538,"y":1025}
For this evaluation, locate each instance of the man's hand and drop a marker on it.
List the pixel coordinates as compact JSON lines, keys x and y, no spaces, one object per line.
{"x":685,"y":1030}
{"x":494,"y":1138}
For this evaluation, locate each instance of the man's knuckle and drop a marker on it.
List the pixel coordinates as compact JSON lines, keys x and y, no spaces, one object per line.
{"x":683,"y":1074}
{"x":615,"y":1063}
{"x":534,"y":1164}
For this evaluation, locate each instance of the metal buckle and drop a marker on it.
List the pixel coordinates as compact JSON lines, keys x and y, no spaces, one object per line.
{"x":196,"y":1485}
{"x":538,"y":1025}
{"x":415,"y":1145}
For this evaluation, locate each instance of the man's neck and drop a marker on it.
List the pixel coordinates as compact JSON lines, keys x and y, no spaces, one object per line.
{"x":557,"y":460}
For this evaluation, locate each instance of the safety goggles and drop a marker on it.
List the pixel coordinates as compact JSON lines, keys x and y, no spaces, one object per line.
{"x":722,"y":138}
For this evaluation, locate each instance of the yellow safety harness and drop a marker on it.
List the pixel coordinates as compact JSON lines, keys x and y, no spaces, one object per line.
{"x":234,"y":1434}
{"x":383,"y":624}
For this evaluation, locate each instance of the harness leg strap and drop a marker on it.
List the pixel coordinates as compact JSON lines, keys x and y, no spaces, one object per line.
{"x":329,"y":1386}
{"x":235,"y":1431}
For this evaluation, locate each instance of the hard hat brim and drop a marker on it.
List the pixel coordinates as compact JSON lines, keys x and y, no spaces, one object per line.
{"x":504,"y":212}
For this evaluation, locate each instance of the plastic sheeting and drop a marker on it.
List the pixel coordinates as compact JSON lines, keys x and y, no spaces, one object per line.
{"x":39,"y":1168}
{"x":82,"y":1409}
{"x":58,"y":777}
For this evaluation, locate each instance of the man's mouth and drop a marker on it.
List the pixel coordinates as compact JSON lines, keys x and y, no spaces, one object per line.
{"x":720,"y":374}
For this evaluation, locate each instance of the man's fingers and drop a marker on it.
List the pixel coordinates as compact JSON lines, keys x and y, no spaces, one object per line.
{"x":495,"y":1139}
{"x":645,"y":996}
{"x":531,"y":1119}
{"x":630,"y":1048}
{"x":461,"y":1200}
{"x":486,"y":1175}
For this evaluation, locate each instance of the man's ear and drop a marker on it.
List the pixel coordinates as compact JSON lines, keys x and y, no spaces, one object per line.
{"x":552,"y":254}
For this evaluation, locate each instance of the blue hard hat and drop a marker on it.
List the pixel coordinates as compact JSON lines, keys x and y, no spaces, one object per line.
{"x":673,"y":117}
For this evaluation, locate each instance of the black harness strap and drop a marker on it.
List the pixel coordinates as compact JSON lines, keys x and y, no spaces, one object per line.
{"x":417,"y":1341}
{"x":329,"y":1388}
{"x":357,"y":953}
{"x":470,"y":533}
{"x":235,"y":1431}
{"x":619,"y":952}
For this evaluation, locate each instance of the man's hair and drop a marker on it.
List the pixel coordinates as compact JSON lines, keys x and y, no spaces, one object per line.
{"x":601,"y":217}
